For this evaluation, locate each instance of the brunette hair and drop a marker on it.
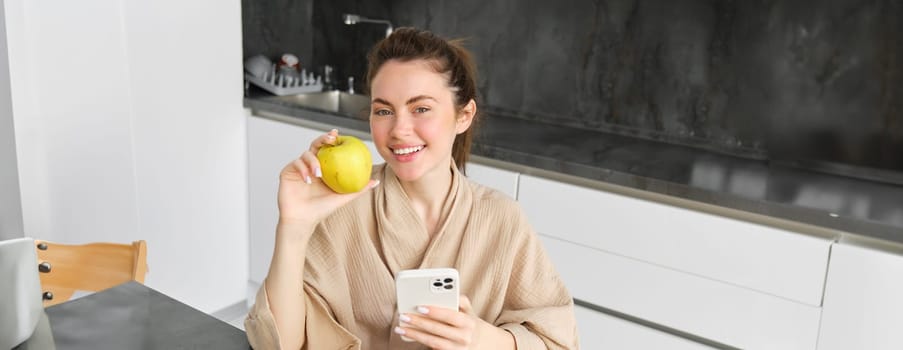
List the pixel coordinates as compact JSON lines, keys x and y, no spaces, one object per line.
{"x":449,"y":57}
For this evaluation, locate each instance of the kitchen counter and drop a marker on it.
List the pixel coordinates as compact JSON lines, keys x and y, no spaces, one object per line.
{"x":131,"y":316}
{"x":870,"y":212}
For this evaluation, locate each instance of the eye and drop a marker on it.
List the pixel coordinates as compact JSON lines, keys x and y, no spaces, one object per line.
{"x":382,"y":112}
{"x":421,"y":110}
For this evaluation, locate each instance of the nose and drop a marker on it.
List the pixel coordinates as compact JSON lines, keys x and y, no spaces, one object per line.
{"x":403,"y":126}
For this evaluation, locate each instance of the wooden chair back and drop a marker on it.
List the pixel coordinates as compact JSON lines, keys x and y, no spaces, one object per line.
{"x":65,"y":269}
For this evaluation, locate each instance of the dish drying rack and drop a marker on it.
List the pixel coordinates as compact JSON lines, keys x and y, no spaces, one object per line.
{"x":281,"y":84}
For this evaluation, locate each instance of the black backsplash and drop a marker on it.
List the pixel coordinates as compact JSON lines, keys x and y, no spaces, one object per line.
{"x":274,"y":27}
{"x":813,"y":83}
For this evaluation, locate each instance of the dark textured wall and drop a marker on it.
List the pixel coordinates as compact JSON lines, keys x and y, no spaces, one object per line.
{"x":818,"y":82}
{"x":275,"y":27}
{"x":345,"y":47}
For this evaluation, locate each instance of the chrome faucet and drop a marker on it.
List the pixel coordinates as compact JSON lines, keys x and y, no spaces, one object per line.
{"x":351,"y":19}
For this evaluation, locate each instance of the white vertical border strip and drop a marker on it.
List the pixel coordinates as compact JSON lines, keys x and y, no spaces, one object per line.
{"x":30,"y":155}
{"x":11,"y":225}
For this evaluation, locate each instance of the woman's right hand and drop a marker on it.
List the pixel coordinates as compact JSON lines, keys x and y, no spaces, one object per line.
{"x":303,"y":198}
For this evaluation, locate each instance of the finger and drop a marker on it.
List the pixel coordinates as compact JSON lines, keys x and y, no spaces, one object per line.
{"x":311,"y":166}
{"x":460,"y":334}
{"x":348,"y":197}
{"x":430,"y":340}
{"x":301,"y":168}
{"x":313,"y":163}
{"x":451,"y":317}
{"x":371,"y":184}
{"x":327,"y":138}
{"x":465,"y":306}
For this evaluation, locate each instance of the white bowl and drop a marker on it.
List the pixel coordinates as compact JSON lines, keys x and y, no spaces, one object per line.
{"x":258,"y":65}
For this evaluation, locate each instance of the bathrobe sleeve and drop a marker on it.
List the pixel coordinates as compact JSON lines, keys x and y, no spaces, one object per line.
{"x":539,"y":310}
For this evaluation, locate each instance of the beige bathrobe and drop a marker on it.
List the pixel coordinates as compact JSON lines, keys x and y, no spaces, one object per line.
{"x":355,"y":253}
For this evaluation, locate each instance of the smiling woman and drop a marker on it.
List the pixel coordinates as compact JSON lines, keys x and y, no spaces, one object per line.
{"x":416,"y":117}
{"x":450,"y":76}
{"x":425,"y":214}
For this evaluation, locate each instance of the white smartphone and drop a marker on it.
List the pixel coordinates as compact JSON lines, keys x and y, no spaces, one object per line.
{"x":433,"y":287}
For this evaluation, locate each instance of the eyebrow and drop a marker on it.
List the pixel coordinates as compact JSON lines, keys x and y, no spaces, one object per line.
{"x":410,"y":100}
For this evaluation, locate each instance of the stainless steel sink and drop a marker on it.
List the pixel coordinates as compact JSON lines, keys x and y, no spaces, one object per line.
{"x":352,"y":105}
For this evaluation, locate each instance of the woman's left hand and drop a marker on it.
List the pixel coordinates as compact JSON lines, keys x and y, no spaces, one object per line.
{"x":443,"y":329}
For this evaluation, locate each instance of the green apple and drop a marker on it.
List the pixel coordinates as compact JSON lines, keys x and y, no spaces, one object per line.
{"x":345,"y":165}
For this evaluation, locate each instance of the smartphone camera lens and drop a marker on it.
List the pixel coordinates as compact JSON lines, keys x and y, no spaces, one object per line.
{"x":437,"y":284}
{"x":449,"y":286}
{"x":448,"y":280}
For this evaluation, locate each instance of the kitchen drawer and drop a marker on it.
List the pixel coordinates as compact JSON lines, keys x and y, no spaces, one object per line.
{"x":601,"y":331}
{"x":714,"y":310}
{"x":763,"y":258}
{"x":863,"y":305}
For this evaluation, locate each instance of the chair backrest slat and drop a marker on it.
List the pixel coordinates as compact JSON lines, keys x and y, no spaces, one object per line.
{"x":89,"y":267}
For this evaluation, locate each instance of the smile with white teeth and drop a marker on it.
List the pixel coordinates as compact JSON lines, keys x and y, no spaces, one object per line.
{"x":408,"y":150}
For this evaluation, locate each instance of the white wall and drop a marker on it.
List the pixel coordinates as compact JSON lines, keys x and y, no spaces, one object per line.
{"x":129,"y":126}
{"x":10,"y":204}
{"x":73,"y":120}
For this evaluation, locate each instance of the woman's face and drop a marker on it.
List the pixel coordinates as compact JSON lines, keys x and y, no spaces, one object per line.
{"x":413,"y":118}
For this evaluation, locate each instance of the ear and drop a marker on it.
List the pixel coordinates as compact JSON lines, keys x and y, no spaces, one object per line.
{"x":465,"y":117}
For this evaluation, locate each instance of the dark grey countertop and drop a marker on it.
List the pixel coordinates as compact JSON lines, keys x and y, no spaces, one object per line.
{"x":864,"y":208}
{"x":131,"y":316}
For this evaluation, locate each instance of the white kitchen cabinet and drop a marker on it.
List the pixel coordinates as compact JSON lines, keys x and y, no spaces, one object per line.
{"x":710,"y":309}
{"x":863,"y":307}
{"x":501,"y":180}
{"x":748,"y":255}
{"x":602,"y":331}
{"x":271,"y":145}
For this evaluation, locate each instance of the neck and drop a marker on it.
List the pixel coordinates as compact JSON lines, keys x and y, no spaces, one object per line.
{"x":427,"y":196}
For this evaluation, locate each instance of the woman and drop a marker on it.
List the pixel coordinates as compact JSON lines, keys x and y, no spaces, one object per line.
{"x":331,"y":279}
